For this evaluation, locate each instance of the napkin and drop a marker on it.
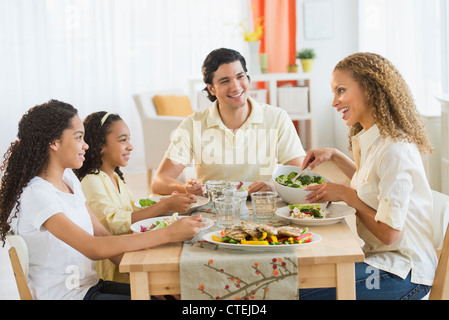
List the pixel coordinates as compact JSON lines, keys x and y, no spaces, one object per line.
{"x":208,"y":271}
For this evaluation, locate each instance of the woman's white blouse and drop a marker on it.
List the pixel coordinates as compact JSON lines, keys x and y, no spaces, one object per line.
{"x":390,"y":178}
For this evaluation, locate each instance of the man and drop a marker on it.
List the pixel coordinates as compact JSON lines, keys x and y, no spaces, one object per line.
{"x":236,"y":139}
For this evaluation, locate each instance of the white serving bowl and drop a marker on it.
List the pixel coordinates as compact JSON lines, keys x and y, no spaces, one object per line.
{"x":292,"y":195}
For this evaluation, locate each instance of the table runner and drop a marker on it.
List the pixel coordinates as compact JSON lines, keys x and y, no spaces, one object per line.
{"x":209,"y":271}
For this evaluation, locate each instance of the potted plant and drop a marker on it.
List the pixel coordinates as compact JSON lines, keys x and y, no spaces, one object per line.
{"x":307,"y":57}
{"x":292,"y":68}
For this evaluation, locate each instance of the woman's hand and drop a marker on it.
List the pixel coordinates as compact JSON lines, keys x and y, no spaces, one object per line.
{"x":330,"y":192}
{"x":260,"y":186}
{"x":185,"y":228}
{"x":194,"y":187}
{"x":317,"y":156}
{"x":180,"y":202}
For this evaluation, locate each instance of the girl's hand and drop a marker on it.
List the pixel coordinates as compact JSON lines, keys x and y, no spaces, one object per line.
{"x":317,"y":156}
{"x":329,"y":192}
{"x":194,"y":187}
{"x":180,"y":202}
{"x":185,"y":228}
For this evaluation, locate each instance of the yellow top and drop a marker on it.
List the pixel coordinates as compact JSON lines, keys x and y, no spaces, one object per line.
{"x":113,"y":208}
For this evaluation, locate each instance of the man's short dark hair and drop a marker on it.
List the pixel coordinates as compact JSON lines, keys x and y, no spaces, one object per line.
{"x":214,"y":60}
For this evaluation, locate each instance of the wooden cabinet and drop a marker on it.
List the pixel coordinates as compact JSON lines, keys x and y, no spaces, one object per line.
{"x":295,"y":99}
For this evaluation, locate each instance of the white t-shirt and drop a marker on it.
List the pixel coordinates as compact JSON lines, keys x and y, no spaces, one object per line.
{"x":390,"y":178}
{"x":56,"y":270}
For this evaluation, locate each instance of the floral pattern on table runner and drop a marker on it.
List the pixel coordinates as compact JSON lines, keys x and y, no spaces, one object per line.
{"x":209,"y":272}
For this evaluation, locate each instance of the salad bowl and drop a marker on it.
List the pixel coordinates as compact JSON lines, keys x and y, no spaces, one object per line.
{"x":293,"y":192}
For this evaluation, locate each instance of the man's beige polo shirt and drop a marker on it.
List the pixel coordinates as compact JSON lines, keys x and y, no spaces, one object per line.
{"x":267,"y":137}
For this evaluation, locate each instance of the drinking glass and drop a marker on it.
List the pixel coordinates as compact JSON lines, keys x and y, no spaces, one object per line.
{"x":214,"y":190}
{"x":242,"y":194}
{"x":264,"y":205}
{"x":227,"y":211}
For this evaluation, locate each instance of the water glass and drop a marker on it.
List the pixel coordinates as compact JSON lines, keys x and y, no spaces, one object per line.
{"x":264,"y":205}
{"x":242,"y":195}
{"x":214,"y":190}
{"x":227,"y":211}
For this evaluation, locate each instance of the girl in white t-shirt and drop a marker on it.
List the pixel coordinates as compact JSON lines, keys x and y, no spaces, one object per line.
{"x":389,"y":188}
{"x":41,"y":199}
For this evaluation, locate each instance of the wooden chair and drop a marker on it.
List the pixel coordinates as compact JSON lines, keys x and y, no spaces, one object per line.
{"x":440,"y":287}
{"x":20,"y":265}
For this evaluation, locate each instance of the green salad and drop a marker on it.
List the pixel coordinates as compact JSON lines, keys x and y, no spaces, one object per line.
{"x":307,"y":211}
{"x":146,"y":202}
{"x":158,"y":224}
{"x":301,"y":182}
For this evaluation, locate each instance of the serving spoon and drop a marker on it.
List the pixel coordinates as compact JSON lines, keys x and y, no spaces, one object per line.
{"x":300,"y":174}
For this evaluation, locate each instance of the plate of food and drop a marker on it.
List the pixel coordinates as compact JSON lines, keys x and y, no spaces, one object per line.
{"x":162,"y":222}
{"x":262,"y":237}
{"x":315,"y":214}
{"x":147,"y":202}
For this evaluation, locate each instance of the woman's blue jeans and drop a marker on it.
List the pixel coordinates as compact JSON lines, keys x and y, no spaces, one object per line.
{"x":373,"y":284}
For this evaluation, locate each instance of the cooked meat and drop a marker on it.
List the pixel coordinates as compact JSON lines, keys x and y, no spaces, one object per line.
{"x":251,"y":229}
{"x":268,"y":229}
{"x":236,"y":233}
{"x":290,"y":231}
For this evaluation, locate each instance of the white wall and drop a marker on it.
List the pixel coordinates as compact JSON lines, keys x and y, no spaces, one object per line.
{"x":330,"y":128}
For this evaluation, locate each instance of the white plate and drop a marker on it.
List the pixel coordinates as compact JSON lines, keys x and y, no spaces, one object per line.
{"x":250,"y":247}
{"x":336,"y":213}
{"x":135,"y":227}
{"x":200,"y":201}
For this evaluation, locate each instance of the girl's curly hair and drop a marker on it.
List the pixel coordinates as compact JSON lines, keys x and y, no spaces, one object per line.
{"x":27,"y":156}
{"x":389,"y":98}
{"x":95,"y":133}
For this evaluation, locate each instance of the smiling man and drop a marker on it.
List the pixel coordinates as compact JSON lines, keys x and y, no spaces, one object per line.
{"x":235,"y":139}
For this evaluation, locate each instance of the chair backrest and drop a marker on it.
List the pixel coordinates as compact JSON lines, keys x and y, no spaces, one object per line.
{"x":144,"y":101}
{"x":156,"y":129}
{"x":18,"y":253}
{"x":439,"y":218}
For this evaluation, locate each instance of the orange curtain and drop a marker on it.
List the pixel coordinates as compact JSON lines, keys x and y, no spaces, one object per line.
{"x":279,"y":36}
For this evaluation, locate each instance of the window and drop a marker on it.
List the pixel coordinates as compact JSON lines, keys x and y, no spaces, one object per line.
{"x":96,"y":54}
{"x":445,"y":42}
{"x":413,"y":35}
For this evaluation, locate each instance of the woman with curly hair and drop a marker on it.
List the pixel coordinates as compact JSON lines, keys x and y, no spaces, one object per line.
{"x":388,"y":188}
{"x":105,"y":189}
{"x":41,"y":199}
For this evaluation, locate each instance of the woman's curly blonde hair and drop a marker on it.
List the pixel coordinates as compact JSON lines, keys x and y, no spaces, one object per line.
{"x":389,"y":99}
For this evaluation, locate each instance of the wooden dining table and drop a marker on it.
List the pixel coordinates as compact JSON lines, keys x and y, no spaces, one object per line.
{"x":327,"y":263}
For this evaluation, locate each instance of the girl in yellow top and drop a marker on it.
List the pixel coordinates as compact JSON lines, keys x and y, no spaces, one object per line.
{"x":104,"y":187}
